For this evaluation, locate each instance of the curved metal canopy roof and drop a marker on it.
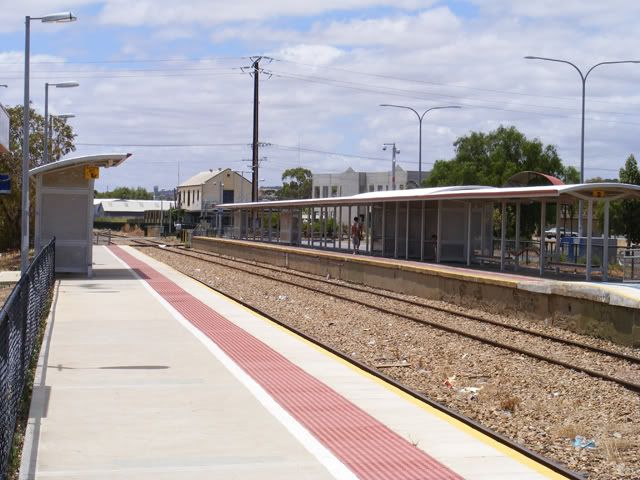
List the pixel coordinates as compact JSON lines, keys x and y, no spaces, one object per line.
{"x":104,"y":160}
{"x":568,"y":193}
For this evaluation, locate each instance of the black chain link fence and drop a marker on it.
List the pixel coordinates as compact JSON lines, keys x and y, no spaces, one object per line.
{"x":20,"y":319}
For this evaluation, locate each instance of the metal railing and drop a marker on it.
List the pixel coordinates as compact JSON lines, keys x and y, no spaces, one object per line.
{"x":630,"y":260}
{"x":20,"y":319}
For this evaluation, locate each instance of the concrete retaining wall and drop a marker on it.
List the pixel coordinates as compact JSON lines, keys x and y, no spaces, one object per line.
{"x":584,"y":309}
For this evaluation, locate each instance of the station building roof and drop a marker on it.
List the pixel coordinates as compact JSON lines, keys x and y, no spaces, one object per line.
{"x":565,"y":193}
{"x":104,"y":160}
{"x":133,"y":206}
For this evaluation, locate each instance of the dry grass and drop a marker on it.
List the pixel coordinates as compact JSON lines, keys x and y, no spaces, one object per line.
{"x":510,"y":404}
{"x":10,"y":260}
{"x":568,"y":431}
{"x":134,"y":231}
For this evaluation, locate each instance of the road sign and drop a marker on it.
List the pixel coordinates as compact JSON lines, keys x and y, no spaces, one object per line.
{"x":5,"y":184}
{"x":91,"y":172}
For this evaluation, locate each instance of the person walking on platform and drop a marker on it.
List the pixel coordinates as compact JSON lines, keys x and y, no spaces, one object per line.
{"x":356,"y":233}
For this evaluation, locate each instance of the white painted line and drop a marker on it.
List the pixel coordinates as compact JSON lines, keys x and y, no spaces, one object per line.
{"x":308,"y":441}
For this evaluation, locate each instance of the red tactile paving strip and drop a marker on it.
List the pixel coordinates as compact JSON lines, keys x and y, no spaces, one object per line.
{"x":367,"y":447}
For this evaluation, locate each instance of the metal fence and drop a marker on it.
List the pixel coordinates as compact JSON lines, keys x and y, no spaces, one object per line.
{"x":20,"y":318}
{"x":631,"y":265}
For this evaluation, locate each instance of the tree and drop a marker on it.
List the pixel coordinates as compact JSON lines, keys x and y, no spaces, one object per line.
{"x":126,"y":193}
{"x":296,"y":183}
{"x":11,"y":163}
{"x":491,"y":158}
{"x":629,"y":210}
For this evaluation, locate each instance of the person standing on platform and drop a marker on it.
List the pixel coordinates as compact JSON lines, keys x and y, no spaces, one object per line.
{"x":356,"y":233}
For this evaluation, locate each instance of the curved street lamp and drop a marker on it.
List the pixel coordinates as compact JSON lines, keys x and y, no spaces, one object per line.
{"x":420,"y":117}
{"x":24,"y":241}
{"x":45,"y":156}
{"x":583,"y":77}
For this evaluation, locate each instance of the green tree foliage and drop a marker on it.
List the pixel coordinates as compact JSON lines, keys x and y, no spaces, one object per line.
{"x":626,"y":214}
{"x":491,"y":158}
{"x":61,"y":143}
{"x":126,"y":193}
{"x":296,"y":183}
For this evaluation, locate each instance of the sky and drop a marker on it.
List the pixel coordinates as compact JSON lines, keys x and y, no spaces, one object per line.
{"x":165,"y":80}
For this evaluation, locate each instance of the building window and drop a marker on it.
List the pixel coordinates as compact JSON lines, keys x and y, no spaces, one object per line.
{"x":198,"y":195}
{"x":379,"y":188}
{"x":401,"y":186}
{"x":316,"y":192}
{"x":325,"y":192}
{"x":371,"y":189}
{"x":386,"y":187}
{"x":334,"y":191}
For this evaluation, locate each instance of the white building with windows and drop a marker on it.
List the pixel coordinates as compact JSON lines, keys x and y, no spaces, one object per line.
{"x":205,"y":190}
{"x":350,"y":182}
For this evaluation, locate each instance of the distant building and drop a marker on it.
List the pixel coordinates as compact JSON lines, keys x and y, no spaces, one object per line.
{"x":200,"y":194}
{"x":350,"y":182}
{"x":113,"y":207}
{"x":163,"y":194}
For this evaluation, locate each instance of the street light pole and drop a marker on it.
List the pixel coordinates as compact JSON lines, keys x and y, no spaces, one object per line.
{"x":420,"y":118}
{"x":24,"y":227}
{"x":583,"y":78}
{"x":394,"y":151}
{"x":46,"y":113}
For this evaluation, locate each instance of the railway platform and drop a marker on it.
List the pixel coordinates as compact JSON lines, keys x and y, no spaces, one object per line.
{"x":145,"y":373}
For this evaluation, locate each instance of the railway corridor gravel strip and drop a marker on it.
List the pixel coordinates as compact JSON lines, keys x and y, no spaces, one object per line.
{"x":513,"y":344}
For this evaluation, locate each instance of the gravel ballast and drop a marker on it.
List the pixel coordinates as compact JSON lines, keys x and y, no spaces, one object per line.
{"x":540,"y":405}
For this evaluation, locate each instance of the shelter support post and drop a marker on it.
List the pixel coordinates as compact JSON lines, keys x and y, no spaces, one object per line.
{"x":517,"y":245}
{"x":423,"y":207}
{"x":335,"y":226}
{"x":324,"y":212}
{"x":406,"y":238}
{"x":589,"y":238}
{"x":270,"y":213}
{"x":503,"y":234}
{"x":349,"y":230}
{"x":340,"y":229}
{"x":368,"y":225}
{"x":558,"y":236}
{"x":469,"y":234}
{"x":605,"y":243}
{"x":483,"y":228}
{"x":543,"y":219}
{"x":384,"y":226}
{"x":395,"y":231}
{"x":439,"y":233}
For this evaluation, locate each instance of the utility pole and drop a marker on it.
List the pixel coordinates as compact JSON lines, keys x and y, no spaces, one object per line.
{"x":394,"y":152}
{"x":254,"y":159}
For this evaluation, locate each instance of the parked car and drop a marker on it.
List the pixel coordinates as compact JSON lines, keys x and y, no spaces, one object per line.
{"x":551,"y":233}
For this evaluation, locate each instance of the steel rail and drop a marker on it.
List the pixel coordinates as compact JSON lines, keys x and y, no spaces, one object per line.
{"x":629,"y":385}
{"x":540,"y":459}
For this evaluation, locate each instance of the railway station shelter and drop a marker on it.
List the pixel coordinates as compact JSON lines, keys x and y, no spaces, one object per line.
{"x":64,"y":207}
{"x":457,"y":224}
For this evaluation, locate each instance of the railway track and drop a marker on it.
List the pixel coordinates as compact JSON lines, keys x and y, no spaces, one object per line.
{"x":509,"y":443}
{"x":472,"y":322}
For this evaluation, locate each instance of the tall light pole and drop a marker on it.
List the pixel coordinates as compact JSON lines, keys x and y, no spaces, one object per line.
{"x":394,"y":152}
{"x":420,"y":118}
{"x":45,"y":158}
{"x":583,"y":77}
{"x":24,"y":240}
{"x":62,"y":116}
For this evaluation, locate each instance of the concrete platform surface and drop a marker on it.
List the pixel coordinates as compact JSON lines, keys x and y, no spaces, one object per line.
{"x":9,"y":276}
{"x":156,"y":376}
